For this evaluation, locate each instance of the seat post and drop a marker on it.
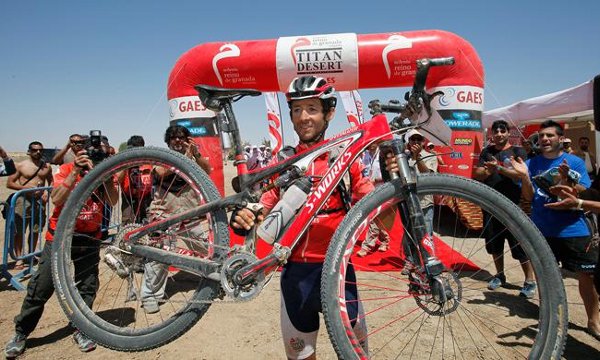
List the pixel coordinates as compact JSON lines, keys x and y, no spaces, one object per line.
{"x":240,"y":160}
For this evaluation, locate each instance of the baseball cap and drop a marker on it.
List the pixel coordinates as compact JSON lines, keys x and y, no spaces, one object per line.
{"x":430,"y":144}
{"x":412,"y":133}
{"x":566,"y":140}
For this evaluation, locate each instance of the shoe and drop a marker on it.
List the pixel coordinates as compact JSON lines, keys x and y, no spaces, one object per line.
{"x":151,"y":307}
{"x":85,"y":343}
{"x":497,"y":281}
{"x":15,"y":346}
{"x":383,"y":247}
{"x":528,"y":289}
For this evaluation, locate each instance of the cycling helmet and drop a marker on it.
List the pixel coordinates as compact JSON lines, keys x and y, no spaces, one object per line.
{"x":308,"y":87}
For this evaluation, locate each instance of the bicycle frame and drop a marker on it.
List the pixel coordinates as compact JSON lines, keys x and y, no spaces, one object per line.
{"x":348,"y":145}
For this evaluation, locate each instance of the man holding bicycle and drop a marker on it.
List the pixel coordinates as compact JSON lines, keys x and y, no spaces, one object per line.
{"x":312,"y":105}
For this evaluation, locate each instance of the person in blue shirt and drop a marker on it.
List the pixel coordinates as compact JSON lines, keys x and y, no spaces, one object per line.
{"x":565,"y":230}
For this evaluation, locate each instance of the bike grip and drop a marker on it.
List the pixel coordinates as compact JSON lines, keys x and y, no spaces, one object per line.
{"x":392,"y":108}
{"x":442,"y":61}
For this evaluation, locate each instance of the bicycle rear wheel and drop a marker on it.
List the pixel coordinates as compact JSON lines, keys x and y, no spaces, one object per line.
{"x":138,"y":304}
{"x":400,"y":317}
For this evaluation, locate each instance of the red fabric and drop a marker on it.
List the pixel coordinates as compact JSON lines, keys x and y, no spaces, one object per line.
{"x":89,"y":219}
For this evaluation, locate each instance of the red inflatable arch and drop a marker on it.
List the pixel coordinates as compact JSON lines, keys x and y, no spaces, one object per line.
{"x":350,"y":62}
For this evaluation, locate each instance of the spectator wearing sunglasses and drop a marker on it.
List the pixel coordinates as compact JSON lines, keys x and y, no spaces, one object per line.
{"x":494,"y":170}
{"x":30,"y":207}
{"x":67,"y":153}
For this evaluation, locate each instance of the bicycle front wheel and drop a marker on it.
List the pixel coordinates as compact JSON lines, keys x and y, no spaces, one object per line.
{"x":399,"y":315}
{"x":120,"y":300}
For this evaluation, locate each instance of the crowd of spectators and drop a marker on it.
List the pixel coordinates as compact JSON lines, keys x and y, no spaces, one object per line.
{"x":503,"y":166}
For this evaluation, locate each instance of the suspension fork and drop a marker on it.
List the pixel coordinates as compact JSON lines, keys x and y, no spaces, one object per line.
{"x":420,"y":242}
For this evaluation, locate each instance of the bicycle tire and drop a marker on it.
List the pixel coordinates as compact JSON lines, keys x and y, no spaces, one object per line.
{"x":552,"y":320}
{"x":111,"y":330}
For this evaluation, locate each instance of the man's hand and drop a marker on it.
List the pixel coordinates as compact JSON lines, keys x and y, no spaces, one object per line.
{"x":82,"y":161}
{"x":568,"y":194}
{"x":520,"y":167}
{"x":391,"y":165}
{"x":415,"y":150}
{"x":191,"y":150}
{"x":245,"y":219}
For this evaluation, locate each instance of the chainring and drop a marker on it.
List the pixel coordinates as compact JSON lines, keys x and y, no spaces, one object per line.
{"x":233,"y":290}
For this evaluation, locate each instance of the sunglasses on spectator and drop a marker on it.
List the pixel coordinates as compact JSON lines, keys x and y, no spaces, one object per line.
{"x":500,"y":130}
{"x":182,"y":138}
{"x":36,"y":150}
{"x":77,"y":142}
{"x":416,"y":138}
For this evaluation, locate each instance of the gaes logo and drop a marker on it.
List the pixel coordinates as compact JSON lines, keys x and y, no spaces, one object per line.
{"x":396,"y":42}
{"x":225,"y":51}
{"x":172,"y":107}
{"x":445,"y":99}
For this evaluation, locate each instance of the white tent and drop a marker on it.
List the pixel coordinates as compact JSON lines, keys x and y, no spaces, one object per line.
{"x":574,"y":104}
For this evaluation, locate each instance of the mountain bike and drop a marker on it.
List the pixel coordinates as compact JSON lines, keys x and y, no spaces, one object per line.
{"x":425,"y":296}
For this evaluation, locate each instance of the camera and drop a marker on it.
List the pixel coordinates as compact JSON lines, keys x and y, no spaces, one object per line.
{"x":93,"y":146}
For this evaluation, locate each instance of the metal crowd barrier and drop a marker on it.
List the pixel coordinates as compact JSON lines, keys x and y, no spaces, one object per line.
{"x":28,"y":249}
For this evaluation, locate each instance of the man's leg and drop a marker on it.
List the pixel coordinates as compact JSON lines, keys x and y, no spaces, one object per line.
{"x":86,"y":257}
{"x":39,"y":290}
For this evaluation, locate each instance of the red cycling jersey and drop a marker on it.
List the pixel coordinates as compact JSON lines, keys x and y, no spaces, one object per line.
{"x":90,"y":218}
{"x":313,"y":245}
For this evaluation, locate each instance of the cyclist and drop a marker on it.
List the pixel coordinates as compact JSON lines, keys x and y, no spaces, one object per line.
{"x":312,"y":105}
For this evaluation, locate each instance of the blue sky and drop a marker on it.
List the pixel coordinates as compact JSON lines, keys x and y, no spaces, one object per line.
{"x":72,"y":66}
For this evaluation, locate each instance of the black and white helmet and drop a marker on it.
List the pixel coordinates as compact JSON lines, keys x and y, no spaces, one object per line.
{"x":309,"y":87}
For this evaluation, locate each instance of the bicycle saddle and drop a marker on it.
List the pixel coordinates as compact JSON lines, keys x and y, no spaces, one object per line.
{"x":212,"y":96}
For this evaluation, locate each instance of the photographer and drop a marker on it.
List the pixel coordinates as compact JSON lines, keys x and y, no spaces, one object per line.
{"x":86,"y":250}
{"x":67,"y":153}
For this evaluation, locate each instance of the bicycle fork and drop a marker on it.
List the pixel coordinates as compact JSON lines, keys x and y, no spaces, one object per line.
{"x":420,"y":241}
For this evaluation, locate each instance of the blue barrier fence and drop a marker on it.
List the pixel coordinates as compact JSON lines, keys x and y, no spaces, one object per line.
{"x":32,"y":215}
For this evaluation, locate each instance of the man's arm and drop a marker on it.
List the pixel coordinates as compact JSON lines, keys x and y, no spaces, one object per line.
{"x":9,"y":164}
{"x":12,"y":182}
{"x":59,"y":158}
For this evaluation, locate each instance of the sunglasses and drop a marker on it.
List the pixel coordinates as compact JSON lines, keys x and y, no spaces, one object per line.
{"x":36,"y":150}
{"x":499,"y":130}
{"x":416,"y":138}
{"x":78,"y":142}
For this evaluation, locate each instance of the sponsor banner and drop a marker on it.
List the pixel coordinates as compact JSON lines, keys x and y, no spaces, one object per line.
{"x":462,"y":119}
{"x":274,"y":120}
{"x":333,"y":57}
{"x":463,"y":141}
{"x":198,"y":127}
{"x":459,"y":97}
{"x":188,"y":107}
{"x":456,"y":155}
{"x":353,"y":106}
